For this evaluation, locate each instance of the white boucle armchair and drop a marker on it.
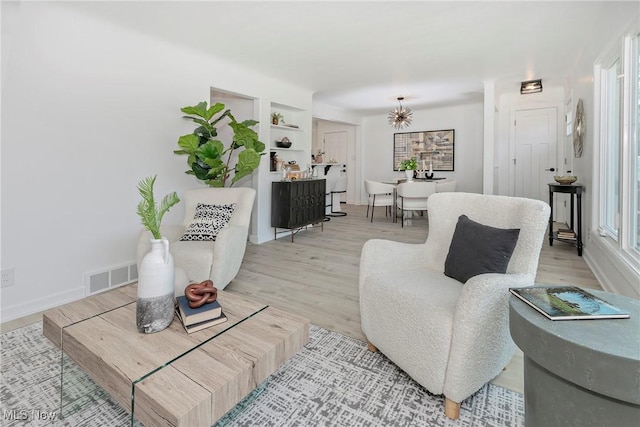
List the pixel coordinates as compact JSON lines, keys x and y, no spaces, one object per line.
{"x":217,"y":260}
{"x":450,"y":337}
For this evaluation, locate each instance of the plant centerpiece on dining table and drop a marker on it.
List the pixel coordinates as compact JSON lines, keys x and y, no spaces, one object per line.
{"x":155,"y":305}
{"x":409,"y":166}
{"x":208,"y":158}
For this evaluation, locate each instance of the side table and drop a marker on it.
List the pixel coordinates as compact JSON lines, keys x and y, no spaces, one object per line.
{"x":573,"y":189}
{"x":579,"y":372}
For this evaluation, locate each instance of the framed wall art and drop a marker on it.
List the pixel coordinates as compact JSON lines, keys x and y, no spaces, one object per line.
{"x":435,"y":147}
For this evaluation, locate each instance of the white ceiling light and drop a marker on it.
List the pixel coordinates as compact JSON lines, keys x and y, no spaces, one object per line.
{"x":400,"y":117}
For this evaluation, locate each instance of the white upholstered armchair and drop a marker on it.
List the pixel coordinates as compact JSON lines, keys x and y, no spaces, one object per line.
{"x":451,"y":337}
{"x":218,"y":260}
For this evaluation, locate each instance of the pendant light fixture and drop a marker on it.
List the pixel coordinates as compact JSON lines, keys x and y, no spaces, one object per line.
{"x":400,"y":117}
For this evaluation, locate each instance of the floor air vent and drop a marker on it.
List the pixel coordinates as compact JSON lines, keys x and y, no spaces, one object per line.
{"x":100,"y":281}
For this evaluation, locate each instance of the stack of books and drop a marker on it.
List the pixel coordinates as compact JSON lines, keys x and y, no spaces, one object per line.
{"x":196,"y":319}
{"x":567,"y":234}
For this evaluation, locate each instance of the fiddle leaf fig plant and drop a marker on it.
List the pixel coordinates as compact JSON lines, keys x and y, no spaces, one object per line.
{"x":208,"y":158}
{"x":150,"y":213}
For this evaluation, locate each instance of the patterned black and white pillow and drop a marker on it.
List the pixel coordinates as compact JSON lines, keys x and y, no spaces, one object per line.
{"x":208,"y":221}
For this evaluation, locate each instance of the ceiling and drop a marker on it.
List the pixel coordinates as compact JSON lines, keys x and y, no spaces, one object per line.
{"x":362,"y":55}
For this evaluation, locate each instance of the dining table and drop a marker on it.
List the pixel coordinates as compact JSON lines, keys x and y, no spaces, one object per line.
{"x":395,"y":183}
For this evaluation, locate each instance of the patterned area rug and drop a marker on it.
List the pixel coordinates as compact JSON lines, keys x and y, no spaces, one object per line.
{"x":333,"y":381}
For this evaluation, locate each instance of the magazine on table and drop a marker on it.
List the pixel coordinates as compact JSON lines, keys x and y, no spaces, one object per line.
{"x":568,"y":303}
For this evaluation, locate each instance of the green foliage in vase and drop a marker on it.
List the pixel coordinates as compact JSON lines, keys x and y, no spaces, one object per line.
{"x":150,"y":213}
{"x":409,"y":164}
{"x":207,"y":157}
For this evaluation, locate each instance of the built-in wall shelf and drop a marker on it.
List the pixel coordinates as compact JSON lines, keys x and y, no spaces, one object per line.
{"x":286,"y":149}
{"x":285,"y":127}
{"x":300,"y":137}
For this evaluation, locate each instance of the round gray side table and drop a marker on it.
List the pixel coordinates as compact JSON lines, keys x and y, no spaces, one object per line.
{"x":579,"y":372}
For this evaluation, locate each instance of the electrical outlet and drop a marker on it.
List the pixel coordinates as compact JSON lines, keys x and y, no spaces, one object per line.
{"x":8,"y":277}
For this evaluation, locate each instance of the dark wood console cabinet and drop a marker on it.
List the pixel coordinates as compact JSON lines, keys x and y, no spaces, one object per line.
{"x":296,"y":204}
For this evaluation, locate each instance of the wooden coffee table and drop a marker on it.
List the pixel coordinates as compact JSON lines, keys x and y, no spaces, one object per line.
{"x":170,"y":377}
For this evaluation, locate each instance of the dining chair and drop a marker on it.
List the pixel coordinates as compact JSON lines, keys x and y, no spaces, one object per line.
{"x":412,"y":196}
{"x":446,"y":186}
{"x":378,"y":194}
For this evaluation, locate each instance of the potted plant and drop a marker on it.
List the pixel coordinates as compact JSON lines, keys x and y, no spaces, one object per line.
{"x":149,"y":212}
{"x":208,"y":159}
{"x":276,"y":118}
{"x":154,"y":308}
{"x":409,"y":166}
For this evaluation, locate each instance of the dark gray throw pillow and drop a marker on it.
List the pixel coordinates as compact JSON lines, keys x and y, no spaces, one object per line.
{"x":478,"y":249}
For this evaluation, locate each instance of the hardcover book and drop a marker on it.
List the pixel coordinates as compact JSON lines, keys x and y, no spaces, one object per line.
{"x":567,"y":303}
{"x":566,"y":234}
{"x":195,"y":315}
{"x":195,"y":327}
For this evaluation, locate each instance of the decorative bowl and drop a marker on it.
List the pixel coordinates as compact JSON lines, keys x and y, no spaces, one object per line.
{"x":284,"y":143}
{"x":567,"y":179}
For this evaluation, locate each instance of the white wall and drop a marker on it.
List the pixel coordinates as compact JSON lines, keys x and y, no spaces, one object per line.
{"x":466,"y":120}
{"x":612,"y":270}
{"x":330,"y":113}
{"x":88,"y":109}
{"x":509,"y":103}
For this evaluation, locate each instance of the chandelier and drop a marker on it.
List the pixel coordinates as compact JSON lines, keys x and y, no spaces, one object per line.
{"x":400,"y":117}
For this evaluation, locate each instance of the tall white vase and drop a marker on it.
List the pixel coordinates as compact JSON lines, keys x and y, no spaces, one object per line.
{"x":154,"y":310}
{"x":409,"y":174}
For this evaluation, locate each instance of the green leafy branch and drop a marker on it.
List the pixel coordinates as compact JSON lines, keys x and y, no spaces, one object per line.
{"x":205,"y":153}
{"x":409,"y":164}
{"x":150,"y":214}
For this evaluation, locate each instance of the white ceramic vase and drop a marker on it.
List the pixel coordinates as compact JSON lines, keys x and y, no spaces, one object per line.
{"x":154,"y":309}
{"x":409,"y":174}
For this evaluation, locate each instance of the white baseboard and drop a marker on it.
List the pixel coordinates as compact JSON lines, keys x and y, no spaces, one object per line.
{"x":612,"y":271}
{"x":32,"y":306}
{"x":261,"y":238}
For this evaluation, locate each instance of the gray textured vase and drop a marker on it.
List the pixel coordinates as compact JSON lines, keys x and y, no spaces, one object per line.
{"x":154,"y":309}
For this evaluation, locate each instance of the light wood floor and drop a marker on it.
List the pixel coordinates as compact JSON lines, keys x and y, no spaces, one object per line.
{"x":317,"y":275}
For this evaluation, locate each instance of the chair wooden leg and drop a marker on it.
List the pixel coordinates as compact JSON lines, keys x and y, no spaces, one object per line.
{"x":372,"y":347}
{"x":451,"y":409}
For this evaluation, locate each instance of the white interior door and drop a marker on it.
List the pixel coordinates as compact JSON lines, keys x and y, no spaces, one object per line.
{"x":536,"y":138}
{"x":335,"y":147}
